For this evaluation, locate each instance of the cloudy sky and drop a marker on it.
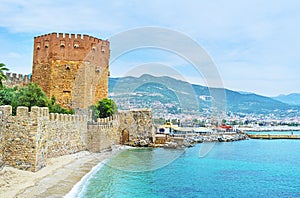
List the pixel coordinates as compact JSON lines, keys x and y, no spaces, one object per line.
{"x":254,"y":44}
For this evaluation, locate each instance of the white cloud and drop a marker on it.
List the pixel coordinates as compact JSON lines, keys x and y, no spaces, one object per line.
{"x":243,"y":37}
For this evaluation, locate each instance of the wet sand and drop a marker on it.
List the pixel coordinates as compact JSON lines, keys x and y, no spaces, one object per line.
{"x":54,"y":180}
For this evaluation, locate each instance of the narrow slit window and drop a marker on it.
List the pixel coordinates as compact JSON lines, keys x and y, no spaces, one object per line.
{"x":46,"y":44}
{"x":76,"y":44}
{"x":62,"y":44}
{"x":68,"y":67}
{"x":38,"y":45}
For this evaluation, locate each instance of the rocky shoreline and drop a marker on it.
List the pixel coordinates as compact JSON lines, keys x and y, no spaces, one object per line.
{"x":187,"y":140}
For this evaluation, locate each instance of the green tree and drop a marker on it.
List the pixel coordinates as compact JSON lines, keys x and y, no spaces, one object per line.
{"x":31,"y":95}
{"x":7,"y":95}
{"x":105,"y":108}
{"x":2,"y":75}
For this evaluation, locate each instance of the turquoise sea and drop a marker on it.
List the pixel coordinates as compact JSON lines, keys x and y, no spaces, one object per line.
{"x":250,"y":168}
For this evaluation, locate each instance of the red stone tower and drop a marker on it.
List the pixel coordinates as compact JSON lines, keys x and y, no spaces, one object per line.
{"x":73,"y":68}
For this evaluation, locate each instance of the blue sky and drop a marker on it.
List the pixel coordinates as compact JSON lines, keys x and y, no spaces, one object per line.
{"x":255,"y":44}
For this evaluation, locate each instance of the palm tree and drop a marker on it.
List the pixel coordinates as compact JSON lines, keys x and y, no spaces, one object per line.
{"x":2,"y":75}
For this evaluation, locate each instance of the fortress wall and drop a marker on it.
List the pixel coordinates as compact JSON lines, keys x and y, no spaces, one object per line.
{"x":30,"y":137}
{"x":138,"y":124}
{"x":14,"y":79}
{"x":23,"y":137}
{"x":103,"y":134}
{"x":66,"y":134}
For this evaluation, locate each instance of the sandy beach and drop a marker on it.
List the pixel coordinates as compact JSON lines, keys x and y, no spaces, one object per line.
{"x":54,"y":180}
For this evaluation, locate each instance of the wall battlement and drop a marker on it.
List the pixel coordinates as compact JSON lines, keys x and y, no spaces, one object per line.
{"x":40,"y":112}
{"x":14,"y":79}
{"x":28,"y":139}
{"x":64,"y":46}
{"x":68,"y":36}
{"x":67,"y":118}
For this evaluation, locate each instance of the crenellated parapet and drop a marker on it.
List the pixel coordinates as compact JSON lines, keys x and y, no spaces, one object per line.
{"x":69,"y":47}
{"x":107,"y":121}
{"x":67,"y":117}
{"x":31,"y":136}
{"x":23,"y":137}
{"x":14,"y":79}
{"x":23,"y":113}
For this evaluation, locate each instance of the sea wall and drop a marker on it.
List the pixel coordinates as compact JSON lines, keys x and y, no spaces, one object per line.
{"x":103,"y":134}
{"x":66,"y":134}
{"x":133,"y":127}
{"x":30,"y":137}
{"x":136,"y":127}
{"x":23,"y":138}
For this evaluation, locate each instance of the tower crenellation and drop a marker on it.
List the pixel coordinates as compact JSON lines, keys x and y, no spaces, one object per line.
{"x":66,"y":46}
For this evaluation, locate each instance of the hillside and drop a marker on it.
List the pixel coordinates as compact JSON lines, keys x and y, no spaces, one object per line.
{"x":174,"y":96}
{"x":292,"y":99}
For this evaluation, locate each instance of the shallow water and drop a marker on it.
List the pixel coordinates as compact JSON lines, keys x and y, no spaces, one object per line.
{"x":251,"y":168}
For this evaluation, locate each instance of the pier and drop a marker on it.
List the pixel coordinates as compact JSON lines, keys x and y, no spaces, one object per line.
{"x":268,"y":136}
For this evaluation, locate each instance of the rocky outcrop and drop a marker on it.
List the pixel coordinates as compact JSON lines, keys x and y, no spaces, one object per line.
{"x":195,"y":139}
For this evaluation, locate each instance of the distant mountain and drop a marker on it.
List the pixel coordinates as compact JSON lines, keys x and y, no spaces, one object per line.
{"x":245,"y":92}
{"x":173,"y":96}
{"x":292,"y":99}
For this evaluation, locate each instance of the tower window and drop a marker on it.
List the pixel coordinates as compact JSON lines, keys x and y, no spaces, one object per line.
{"x":38,"y":45}
{"x":62,"y":44}
{"x":76,"y":44}
{"x":68,"y":67}
{"x":46,"y":44}
{"x":102,"y":49}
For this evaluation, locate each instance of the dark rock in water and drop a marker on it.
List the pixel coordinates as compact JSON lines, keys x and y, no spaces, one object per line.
{"x":171,"y":145}
{"x":143,"y":143}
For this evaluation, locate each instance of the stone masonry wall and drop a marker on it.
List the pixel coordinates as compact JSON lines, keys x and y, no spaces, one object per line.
{"x":14,"y":79}
{"x":66,"y":134}
{"x":102,"y":134}
{"x":23,"y":138}
{"x":30,"y":137}
{"x":137,"y":124}
{"x":132,"y":127}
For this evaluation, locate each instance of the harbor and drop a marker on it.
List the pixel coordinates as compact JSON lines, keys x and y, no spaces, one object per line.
{"x":269,"y":136}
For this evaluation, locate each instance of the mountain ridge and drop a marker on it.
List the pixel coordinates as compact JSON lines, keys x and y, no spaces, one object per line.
{"x":149,"y":90}
{"x":292,"y":99}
